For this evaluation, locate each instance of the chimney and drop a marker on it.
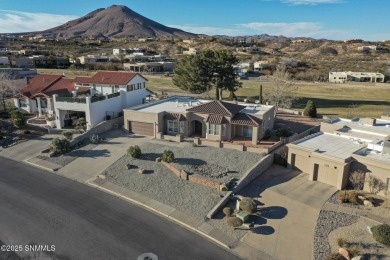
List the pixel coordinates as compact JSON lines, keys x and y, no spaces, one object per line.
{"x":235,"y":101}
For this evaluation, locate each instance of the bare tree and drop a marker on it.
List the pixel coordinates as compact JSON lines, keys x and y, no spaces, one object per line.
{"x":282,"y":92}
{"x":8,"y":88}
{"x":357,"y":179}
{"x":375,"y":184}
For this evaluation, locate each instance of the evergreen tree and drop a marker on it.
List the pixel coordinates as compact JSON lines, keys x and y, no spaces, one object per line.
{"x":310,"y":109}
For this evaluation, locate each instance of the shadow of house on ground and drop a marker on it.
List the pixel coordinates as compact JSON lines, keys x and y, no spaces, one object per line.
{"x":150,"y":156}
{"x":189,"y":161}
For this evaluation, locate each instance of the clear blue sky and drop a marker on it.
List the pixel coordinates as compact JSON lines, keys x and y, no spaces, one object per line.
{"x":331,"y":19}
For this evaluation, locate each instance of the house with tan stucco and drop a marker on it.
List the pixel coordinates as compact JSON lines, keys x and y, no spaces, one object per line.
{"x":212,"y":120}
{"x":342,"y":147}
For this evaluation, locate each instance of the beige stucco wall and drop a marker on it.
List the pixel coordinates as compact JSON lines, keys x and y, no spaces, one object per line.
{"x":305,"y":161}
{"x":379,"y":169}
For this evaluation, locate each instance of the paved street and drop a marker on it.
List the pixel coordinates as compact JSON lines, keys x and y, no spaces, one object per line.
{"x":84,"y":223}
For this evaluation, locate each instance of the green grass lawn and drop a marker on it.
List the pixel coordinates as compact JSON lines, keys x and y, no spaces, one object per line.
{"x":331,"y":99}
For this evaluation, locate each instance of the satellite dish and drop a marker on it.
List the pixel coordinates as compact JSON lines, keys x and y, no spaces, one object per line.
{"x":257,"y":101}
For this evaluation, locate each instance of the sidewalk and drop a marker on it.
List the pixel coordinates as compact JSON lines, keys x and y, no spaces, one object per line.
{"x":356,"y":212}
{"x":239,"y":248}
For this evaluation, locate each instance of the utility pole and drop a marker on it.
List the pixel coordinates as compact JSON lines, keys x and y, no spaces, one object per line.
{"x":261,"y":94}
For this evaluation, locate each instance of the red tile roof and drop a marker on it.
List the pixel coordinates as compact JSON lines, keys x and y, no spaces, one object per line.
{"x":175,"y":117}
{"x":109,"y":77}
{"x":246,"y":119}
{"x":218,"y":108}
{"x":217,"y":119}
{"x":39,"y":83}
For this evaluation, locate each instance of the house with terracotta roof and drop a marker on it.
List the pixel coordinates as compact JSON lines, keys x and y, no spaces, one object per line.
{"x":97,"y":98}
{"x":211,"y":120}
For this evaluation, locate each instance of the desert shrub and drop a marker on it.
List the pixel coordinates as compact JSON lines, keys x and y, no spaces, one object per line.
{"x":60,"y":146}
{"x":227,"y":211}
{"x":354,"y":251}
{"x":353,"y":197}
{"x":248,"y":205}
{"x":234,"y":221}
{"x":134,"y":151}
{"x":310,"y":109}
{"x":356,"y":179}
{"x":381,"y":233}
{"x":375,"y":184}
{"x":95,"y":139}
{"x":328,"y":51}
{"x":349,"y":196}
{"x":335,"y":256}
{"x":68,"y":134}
{"x":168,"y":156}
{"x":81,"y":124}
{"x":341,"y":241}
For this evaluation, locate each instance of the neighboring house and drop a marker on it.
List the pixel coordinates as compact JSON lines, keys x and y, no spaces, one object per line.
{"x":371,"y":48}
{"x":342,"y":147}
{"x":212,"y":120}
{"x":161,"y":66}
{"x":260,"y":65}
{"x":192,"y":51}
{"x":41,"y":62}
{"x":106,"y":93}
{"x":90,"y":59}
{"x":342,"y":77}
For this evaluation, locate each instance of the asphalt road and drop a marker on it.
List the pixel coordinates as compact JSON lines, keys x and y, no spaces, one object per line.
{"x":41,"y":208}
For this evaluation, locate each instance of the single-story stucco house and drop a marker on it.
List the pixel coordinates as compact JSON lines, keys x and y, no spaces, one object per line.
{"x":212,"y":120}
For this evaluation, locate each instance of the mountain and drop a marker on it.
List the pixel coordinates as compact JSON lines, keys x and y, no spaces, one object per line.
{"x":116,"y":21}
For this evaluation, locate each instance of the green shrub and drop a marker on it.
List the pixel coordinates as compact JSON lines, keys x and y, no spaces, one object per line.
{"x":248,"y":205}
{"x":234,"y":221}
{"x":134,"y":151}
{"x":284,"y":132}
{"x":17,"y":118}
{"x":343,"y":196}
{"x":95,"y":139}
{"x":310,"y":109}
{"x":349,"y":196}
{"x":68,"y":134}
{"x":81,"y":124}
{"x":381,"y":233}
{"x":60,"y":146}
{"x":335,"y":256}
{"x":227,"y":211}
{"x":168,"y":156}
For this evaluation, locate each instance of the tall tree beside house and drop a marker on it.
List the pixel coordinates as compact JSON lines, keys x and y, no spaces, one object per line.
{"x":7,"y":89}
{"x":282,"y":91}
{"x":198,"y":74}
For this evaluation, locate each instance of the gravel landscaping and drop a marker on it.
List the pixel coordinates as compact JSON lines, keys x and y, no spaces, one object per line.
{"x":327,"y":222}
{"x":72,"y":155}
{"x":214,"y":163}
{"x":357,"y":235}
{"x":162,"y":185}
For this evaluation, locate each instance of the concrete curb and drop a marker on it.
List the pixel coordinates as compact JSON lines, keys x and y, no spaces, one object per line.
{"x":40,"y":166}
{"x":89,"y":183}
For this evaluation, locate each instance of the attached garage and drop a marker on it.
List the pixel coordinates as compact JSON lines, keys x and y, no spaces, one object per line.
{"x":141,"y":128}
{"x":326,"y":174}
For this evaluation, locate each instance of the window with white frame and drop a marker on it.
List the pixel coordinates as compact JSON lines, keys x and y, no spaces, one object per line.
{"x":129,"y":88}
{"x":246,"y":131}
{"x":115,"y":88}
{"x":213,"y":129}
{"x":173,"y":126}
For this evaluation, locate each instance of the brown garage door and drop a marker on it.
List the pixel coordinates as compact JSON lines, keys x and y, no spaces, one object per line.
{"x":141,"y":128}
{"x":327,"y":175}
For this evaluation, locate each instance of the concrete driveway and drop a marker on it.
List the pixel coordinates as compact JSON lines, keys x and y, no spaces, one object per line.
{"x":290,"y":211}
{"x":97,"y":160}
{"x":28,"y":149}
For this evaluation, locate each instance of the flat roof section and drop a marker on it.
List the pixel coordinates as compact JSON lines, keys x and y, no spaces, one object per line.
{"x":178,"y":104}
{"x":330,"y":145}
{"x":380,"y":125}
{"x":374,"y":155}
